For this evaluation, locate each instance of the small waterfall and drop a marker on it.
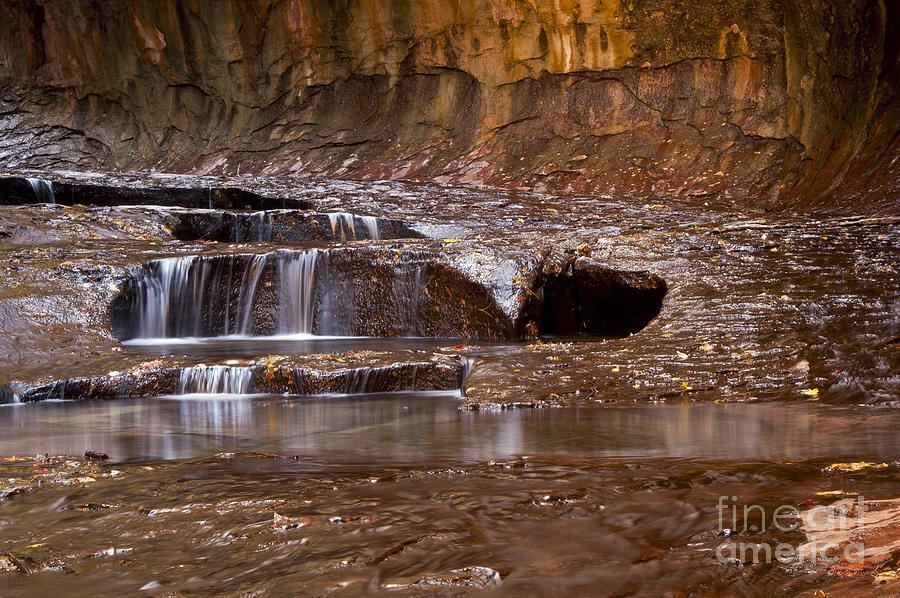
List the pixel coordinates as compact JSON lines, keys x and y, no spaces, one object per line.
{"x":217,"y":379}
{"x":255,"y":227}
{"x":357,"y":381}
{"x":8,"y":397}
{"x":368,"y":379}
{"x":341,"y":221}
{"x":43,"y":190}
{"x":247,"y":291}
{"x":261,"y":226}
{"x":344,"y":226}
{"x":412,"y":294}
{"x":371,"y":224}
{"x":317,"y":292}
{"x":182,"y":297}
{"x":296,"y":273}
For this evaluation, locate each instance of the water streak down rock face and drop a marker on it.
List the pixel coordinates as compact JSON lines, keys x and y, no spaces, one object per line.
{"x":375,"y":292}
{"x":773,"y":104}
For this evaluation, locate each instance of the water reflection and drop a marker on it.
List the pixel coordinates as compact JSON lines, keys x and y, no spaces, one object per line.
{"x":417,"y":427}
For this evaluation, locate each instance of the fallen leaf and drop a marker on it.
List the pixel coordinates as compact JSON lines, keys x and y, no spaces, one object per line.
{"x":855,"y":466}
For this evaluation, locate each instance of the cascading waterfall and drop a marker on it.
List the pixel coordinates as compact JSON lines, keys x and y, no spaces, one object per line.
{"x":8,"y":397}
{"x":179,"y":297}
{"x":218,"y":379}
{"x":371,"y":224}
{"x":214,"y":296}
{"x":262,"y":230}
{"x":43,"y":190}
{"x":357,"y":381}
{"x":297,"y":276}
{"x":346,"y":227}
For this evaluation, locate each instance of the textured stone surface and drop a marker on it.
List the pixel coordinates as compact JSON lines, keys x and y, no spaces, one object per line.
{"x":766,"y":103}
{"x":365,"y":372}
{"x":776,"y":308}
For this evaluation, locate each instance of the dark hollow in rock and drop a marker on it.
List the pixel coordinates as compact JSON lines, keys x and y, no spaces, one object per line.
{"x":588,"y":299}
{"x":18,"y":190}
{"x":286,"y":226}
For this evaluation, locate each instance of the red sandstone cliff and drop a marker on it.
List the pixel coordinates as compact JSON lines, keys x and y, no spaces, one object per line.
{"x":772,"y":104}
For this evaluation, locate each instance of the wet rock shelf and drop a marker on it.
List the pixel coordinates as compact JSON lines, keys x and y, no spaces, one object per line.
{"x":339,"y":373}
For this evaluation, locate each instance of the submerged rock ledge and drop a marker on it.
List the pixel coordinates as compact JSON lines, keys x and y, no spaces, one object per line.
{"x":278,"y":374}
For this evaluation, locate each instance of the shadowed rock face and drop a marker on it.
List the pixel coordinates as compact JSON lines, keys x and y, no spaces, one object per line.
{"x":286,"y":225}
{"x":18,"y":190}
{"x":770,"y":104}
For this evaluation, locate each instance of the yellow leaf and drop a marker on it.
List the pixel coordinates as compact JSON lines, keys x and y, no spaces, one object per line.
{"x":615,"y":369}
{"x":451,"y":240}
{"x":887,"y":575}
{"x":812,"y":392}
{"x":857,"y":466}
{"x":682,"y":354}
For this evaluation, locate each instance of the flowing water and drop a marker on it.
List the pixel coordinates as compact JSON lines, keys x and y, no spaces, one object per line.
{"x":421,"y":427}
{"x":350,"y":227}
{"x":214,"y":492}
{"x":227,"y":295}
{"x":405,"y":495}
{"x":183,"y":297}
{"x":43,"y":190}
{"x":214,"y":380}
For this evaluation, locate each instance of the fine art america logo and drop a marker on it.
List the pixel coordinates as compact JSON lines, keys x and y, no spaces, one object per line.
{"x":834,"y":528}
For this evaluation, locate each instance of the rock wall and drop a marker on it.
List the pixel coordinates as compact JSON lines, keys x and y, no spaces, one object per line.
{"x":765,"y":103}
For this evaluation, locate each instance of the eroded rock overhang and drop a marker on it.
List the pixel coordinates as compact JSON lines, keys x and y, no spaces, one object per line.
{"x":426,"y":289}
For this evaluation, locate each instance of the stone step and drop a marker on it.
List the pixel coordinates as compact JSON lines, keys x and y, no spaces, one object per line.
{"x":284,"y":226}
{"x":26,"y":190}
{"x":341,"y":373}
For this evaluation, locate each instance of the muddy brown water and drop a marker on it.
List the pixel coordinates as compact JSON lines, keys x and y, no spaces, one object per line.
{"x":407,"y":495}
